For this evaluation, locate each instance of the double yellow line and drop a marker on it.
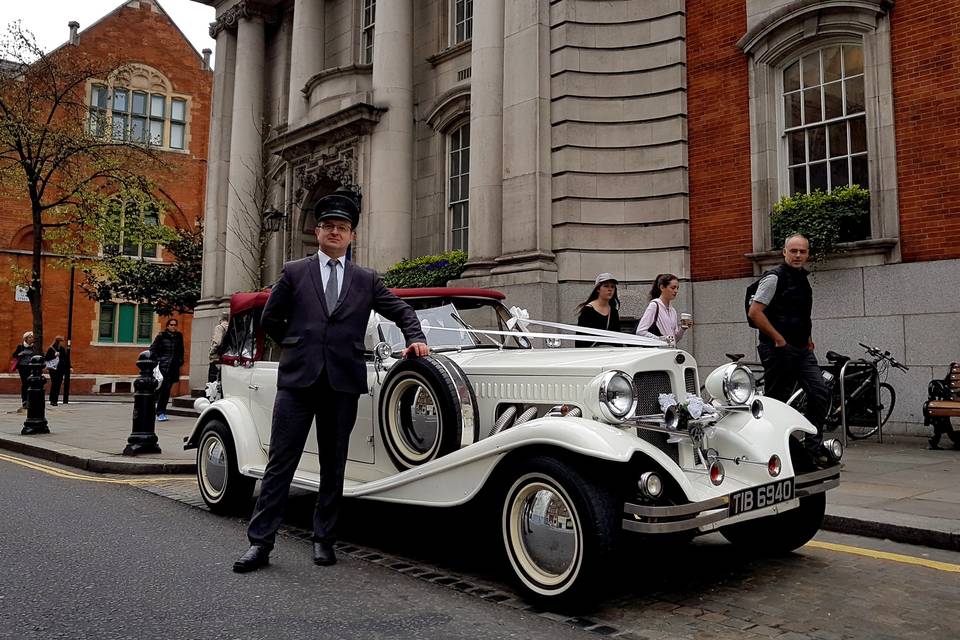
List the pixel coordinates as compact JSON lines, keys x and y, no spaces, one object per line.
{"x":70,"y":475}
{"x":885,"y":555}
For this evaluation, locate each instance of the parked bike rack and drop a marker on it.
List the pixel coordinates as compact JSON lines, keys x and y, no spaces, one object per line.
{"x":843,"y":396}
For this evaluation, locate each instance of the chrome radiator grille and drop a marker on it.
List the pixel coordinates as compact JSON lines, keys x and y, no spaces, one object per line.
{"x":690,"y":381}
{"x":648,"y":385}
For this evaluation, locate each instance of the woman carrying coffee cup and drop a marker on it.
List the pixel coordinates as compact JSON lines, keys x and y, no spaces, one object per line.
{"x":660,"y":319}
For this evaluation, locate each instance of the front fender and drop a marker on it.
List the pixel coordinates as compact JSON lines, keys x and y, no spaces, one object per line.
{"x":236,"y":415}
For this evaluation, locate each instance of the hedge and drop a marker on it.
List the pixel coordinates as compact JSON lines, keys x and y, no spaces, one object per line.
{"x":426,"y":271}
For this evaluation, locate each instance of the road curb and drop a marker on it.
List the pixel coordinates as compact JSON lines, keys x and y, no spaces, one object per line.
{"x":894,"y":532}
{"x":88,"y":460}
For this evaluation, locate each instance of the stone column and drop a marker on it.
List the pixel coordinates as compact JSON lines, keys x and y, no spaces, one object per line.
{"x":486,"y":136}
{"x":246,"y":148}
{"x":527,"y":231}
{"x":218,"y":155}
{"x":388,"y":218}
{"x":306,"y":55}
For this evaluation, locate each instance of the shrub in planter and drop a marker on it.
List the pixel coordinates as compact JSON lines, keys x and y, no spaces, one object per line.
{"x":826,"y":219}
{"x":426,"y":271}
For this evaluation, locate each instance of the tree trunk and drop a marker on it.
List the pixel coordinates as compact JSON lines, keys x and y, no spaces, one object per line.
{"x":35,"y":291}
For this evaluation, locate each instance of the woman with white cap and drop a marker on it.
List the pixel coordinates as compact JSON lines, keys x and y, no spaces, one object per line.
{"x":599,"y":311}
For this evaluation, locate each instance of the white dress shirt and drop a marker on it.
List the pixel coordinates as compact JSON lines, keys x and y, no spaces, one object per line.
{"x":325,"y":271}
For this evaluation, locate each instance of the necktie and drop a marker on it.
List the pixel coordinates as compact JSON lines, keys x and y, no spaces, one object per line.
{"x":331,"y":290}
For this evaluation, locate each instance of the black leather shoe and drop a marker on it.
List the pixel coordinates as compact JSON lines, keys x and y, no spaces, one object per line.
{"x":253,"y":559}
{"x":323,"y":554}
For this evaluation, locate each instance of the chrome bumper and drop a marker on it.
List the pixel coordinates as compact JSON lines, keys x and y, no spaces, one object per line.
{"x":673,"y":518}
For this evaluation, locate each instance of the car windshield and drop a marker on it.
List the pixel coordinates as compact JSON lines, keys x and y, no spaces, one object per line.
{"x":447,"y":324}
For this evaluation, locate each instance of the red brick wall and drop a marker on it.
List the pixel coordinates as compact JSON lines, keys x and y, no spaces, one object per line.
{"x":719,"y":140}
{"x":926,"y":89}
{"x":149,"y":38}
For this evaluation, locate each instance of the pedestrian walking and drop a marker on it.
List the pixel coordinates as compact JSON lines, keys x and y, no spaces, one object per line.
{"x":780,"y":310}
{"x":20,"y":360}
{"x":216,"y":342}
{"x":660,"y":318}
{"x":57,"y":361}
{"x":600,"y":309}
{"x":317,"y":312}
{"x":167,"y":350}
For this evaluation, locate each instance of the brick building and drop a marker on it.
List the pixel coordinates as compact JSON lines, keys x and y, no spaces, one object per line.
{"x":556,"y":140}
{"x":166,"y":101}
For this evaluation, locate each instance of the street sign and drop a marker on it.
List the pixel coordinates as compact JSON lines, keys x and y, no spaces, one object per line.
{"x":21,"y":295}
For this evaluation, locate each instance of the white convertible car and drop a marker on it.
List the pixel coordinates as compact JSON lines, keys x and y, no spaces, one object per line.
{"x":576,"y":452}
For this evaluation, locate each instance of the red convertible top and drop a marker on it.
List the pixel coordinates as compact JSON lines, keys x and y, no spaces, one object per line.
{"x":240,"y":302}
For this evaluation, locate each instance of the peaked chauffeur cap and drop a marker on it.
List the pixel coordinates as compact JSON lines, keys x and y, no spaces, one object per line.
{"x":342,"y":204}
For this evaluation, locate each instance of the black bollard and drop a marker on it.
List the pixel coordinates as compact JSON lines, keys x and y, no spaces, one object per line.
{"x":36,"y":400}
{"x":143,"y":439}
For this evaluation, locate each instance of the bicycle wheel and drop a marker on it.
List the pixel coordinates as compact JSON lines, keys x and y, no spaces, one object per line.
{"x":862,"y":423}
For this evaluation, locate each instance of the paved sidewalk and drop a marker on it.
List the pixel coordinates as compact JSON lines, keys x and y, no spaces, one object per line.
{"x":898,"y":490}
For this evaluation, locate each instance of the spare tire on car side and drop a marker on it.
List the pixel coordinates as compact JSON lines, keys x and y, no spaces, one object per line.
{"x":427,"y":408}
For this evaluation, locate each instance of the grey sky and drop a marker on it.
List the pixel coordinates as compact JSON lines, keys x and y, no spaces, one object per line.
{"x":48,"y":19}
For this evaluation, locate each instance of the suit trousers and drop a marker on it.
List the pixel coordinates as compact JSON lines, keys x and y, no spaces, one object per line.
{"x":293,"y":413}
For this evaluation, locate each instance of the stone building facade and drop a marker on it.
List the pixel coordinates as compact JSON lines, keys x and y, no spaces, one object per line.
{"x":557,"y":139}
{"x":169,"y":92}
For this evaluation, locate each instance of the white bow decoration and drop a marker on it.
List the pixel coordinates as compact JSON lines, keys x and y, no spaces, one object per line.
{"x":694,"y":405}
{"x":519,"y":317}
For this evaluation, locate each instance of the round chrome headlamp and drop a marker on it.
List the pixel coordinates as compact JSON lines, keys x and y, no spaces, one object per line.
{"x":617,"y":400}
{"x":739,"y":385}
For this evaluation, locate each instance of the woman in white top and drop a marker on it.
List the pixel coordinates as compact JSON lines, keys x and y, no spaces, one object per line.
{"x":660,"y":319}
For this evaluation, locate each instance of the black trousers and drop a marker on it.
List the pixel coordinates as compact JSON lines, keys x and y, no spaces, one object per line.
{"x":293,"y":412}
{"x":163,"y":393}
{"x":213,"y":372}
{"x":56,"y":379}
{"x":24,"y":374}
{"x":786,"y":367}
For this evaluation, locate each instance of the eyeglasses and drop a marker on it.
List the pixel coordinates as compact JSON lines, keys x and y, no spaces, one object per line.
{"x":171,"y":324}
{"x":339,"y":228}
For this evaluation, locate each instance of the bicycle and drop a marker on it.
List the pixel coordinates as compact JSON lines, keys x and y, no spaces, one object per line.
{"x":862,"y":407}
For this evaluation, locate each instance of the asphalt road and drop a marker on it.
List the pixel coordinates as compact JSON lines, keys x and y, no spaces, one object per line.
{"x":86,"y":558}
{"x":93,"y":559}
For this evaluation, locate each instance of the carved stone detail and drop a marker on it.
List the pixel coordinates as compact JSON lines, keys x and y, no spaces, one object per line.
{"x":337,"y":164}
{"x":243,"y":11}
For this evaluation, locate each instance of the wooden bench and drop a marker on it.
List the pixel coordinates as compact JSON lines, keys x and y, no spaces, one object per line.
{"x":942,"y":405}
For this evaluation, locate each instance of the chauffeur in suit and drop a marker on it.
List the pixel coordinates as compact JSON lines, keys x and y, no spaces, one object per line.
{"x":318,"y":313}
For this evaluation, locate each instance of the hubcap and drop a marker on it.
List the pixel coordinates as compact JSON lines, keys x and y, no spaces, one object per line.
{"x":414,"y":420}
{"x":213,"y":467}
{"x":543,"y":534}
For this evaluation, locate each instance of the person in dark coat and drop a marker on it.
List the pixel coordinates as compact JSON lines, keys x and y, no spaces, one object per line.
{"x":167,"y":350}
{"x":600,"y":309}
{"x":22,"y":355}
{"x":57,"y":353}
{"x":318,"y":312}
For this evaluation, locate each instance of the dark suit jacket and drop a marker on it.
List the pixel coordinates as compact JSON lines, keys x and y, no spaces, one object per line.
{"x":313,"y":339}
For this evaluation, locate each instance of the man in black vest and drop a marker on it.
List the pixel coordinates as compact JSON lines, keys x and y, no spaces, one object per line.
{"x":318,"y":312}
{"x":781,"y":312}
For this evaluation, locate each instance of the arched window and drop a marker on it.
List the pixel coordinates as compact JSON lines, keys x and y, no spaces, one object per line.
{"x":458,"y":189}
{"x":139,"y":106}
{"x":825,"y":120}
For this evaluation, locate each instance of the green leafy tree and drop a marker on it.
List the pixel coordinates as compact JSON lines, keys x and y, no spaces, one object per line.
{"x":56,"y":159}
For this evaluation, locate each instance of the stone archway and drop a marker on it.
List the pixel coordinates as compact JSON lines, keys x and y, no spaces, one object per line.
{"x":322,"y":174}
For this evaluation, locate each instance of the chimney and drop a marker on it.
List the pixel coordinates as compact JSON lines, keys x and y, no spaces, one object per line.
{"x":206,"y":58}
{"x":74,"y":38}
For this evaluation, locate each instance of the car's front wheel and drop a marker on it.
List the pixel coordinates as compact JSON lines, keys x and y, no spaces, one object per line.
{"x":222,"y":486}
{"x":559,"y":530}
{"x":783,"y":532}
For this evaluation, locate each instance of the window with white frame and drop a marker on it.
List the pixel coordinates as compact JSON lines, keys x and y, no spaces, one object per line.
{"x":130,"y":229}
{"x":138,"y":116}
{"x":125,"y":323}
{"x":825,"y":122}
{"x":458,"y":192}
{"x":367,"y":16}
{"x":461,"y":21}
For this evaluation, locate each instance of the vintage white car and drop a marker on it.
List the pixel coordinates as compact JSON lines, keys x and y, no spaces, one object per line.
{"x":576,"y":452}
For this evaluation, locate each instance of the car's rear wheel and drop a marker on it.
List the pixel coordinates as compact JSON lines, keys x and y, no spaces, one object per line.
{"x":222,"y":486}
{"x":559,"y":530}
{"x":780,"y":533}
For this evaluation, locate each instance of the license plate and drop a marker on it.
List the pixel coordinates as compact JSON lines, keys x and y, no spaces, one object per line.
{"x":760,"y":497}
